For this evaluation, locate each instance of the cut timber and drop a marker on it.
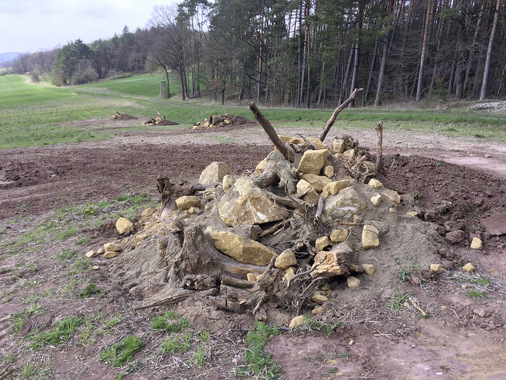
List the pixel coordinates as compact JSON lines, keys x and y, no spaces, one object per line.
{"x":277,"y":172}
{"x":336,"y":112}
{"x":286,"y":151}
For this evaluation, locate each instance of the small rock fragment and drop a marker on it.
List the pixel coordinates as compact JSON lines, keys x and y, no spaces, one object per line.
{"x":353,"y":282}
{"x":110,"y":254}
{"x":95,"y":267}
{"x":101,"y":251}
{"x":476,"y":243}
{"x":369,"y":268}
{"x":335,"y":187}
{"x":317,"y":310}
{"x":375,"y":184}
{"x":393,"y":196}
{"x":468,"y":267}
{"x":252,"y":277}
{"x":339,"y":235}
{"x":285,"y":260}
{"x":412,"y":213}
{"x":328,"y":171}
{"x":289,"y":274}
{"x":376,"y":200}
{"x":297,"y":321}
{"x":318,"y":298}
{"x":370,"y":237}
{"x":185,"y":202}
{"x":91,"y":254}
{"x":313,"y":161}
{"x":123,"y":226}
{"x":322,"y":242}
{"x":438,"y":268}
{"x":214,"y":173}
{"x":112,"y":247}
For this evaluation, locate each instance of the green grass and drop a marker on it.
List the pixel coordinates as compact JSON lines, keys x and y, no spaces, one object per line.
{"x":61,"y":333}
{"x":398,"y":300}
{"x":19,"y":319}
{"x":141,"y":85}
{"x":476,"y":294}
{"x":123,"y":351}
{"x":162,"y":322}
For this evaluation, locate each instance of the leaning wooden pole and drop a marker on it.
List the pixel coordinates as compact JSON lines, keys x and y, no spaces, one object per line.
{"x":336,"y":112}
{"x":285,"y":151}
{"x":379,"y":149}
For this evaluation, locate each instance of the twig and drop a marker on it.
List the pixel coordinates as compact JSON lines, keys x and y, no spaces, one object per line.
{"x":313,"y":146}
{"x":319,"y":210}
{"x":315,"y":265}
{"x":379,"y":149}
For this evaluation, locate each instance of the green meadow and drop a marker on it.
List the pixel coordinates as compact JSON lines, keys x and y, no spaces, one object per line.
{"x":34,"y":114}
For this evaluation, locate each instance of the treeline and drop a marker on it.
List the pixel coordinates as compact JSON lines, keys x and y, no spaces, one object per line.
{"x":304,"y":53}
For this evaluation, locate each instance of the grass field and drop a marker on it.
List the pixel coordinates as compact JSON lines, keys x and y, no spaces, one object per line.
{"x":33,"y":115}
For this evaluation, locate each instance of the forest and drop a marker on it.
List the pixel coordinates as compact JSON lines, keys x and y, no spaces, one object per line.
{"x":301,"y":53}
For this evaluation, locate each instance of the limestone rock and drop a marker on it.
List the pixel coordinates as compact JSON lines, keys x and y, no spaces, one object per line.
{"x":110,"y":254}
{"x":353,"y":282}
{"x":335,"y":187}
{"x":322,"y":242}
{"x":476,"y":243}
{"x":112,"y":247}
{"x":393,"y":196}
{"x":382,"y":227}
{"x":438,"y":268}
{"x":331,"y":263}
{"x":318,"y":298}
{"x":338,"y":145}
{"x":468,"y":267}
{"x":214,"y":173}
{"x":328,"y":171}
{"x":285,"y":260}
{"x":123,"y":226}
{"x":349,"y":155}
{"x":343,"y":205}
{"x":187,"y":201}
{"x":95,"y":267}
{"x":318,"y":182}
{"x":307,"y":192}
{"x":370,"y":237}
{"x":252,"y":277}
{"x":289,"y":274}
{"x":313,"y":161}
{"x":261,"y":167}
{"x":246,"y":203}
{"x":246,"y":251}
{"x":228,"y":181}
{"x":412,"y":213}
{"x":318,"y":143}
{"x":339,"y":235}
{"x":375,"y":184}
{"x":297,"y":321}
{"x":317,"y":310}
{"x":290,"y":139}
{"x":376,"y":200}
{"x":369,"y":268}
{"x":101,"y":251}
{"x":91,"y":254}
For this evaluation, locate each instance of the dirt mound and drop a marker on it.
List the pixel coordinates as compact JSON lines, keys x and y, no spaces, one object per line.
{"x":123,"y":116}
{"x":220,"y":121}
{"x":158,"y":121}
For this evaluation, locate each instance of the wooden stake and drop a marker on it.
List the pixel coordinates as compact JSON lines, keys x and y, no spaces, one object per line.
{"x":379,"y":149}
{"x":336,"y":112}
{"x":285,"y":151}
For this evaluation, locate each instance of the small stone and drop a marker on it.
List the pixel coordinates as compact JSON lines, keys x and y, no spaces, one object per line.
{"x":375,"y":184}
{"x":370,"y":237}
{"x":318,"y":182}
{"x":322,"y":242}
{"x":95,"y":267}
{"x":349,"y":155}
{"x":476,"y":243}
{"x":335,"y":187}
{"x":285,"y":260}
{"x":412,"y":213}
{"x":357,"y":219}
{"x":261,"y":167}
{"x":91,"y":254}
{"x":101,"y":251}
{"x":318,"y":298}
{"x":123,"y":226}
{"x":228,"y":181}
{"x":392,"y":210}
{"x":112,"y":247}
{"x":329,"y":171}
{"x":185,"y":202}
{"x":339,"y":235}
{"x":252,"y":277}
{"x":369,"y":268}
{"x":338,"y":145}
{"x":353,"y":282}
{"x":317,"y":310}
{"x":110,"y":254}
{"x":376,"y":200}
{"x":393,"y":196}
{"x":214,"y":173}
{"x":307,"y":192}
{"x":297,"y":321}
{"x":438,"y":268}
{"x":289,"y":274}
{"x":313,"y":161}
{"x":468,"y":267}
{"x":488,"y":155}
{"x":455,"y":237}
{"x":193,"y":210}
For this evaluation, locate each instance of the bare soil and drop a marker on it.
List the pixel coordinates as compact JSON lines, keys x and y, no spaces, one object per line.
{"x":455,"y":184}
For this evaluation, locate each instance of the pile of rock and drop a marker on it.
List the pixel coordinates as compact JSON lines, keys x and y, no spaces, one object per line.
{"x":218,"y":121}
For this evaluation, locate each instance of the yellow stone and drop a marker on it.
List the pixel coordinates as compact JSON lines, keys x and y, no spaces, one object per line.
{"x":438,"y":268}
{"x":95,"y":267}
{"x":252,"y":277}
{"x":393,"y":196}
{"x":185,"y":202}
{"x":101,"y":251}
{"x":376,"y":200}
{"x":307,"y":192}
{"x":369,"y":268}
{"x":322,"y":242}
{"x":338,"y":145}
{"x":297,"y":321}
{"x":317,"y":310}
{"x":260,"y":167}
{"x":112,"y":247}
{"x":412,"y":213}
{"x":370,"y":237}
{"x":375,"y":184}
{"x":285,"y":260}
{"x":123,"y":226}
{"x":91,"y":254}
{"x":339,"y":235}
{"x":289,"y":274}
{"x":318,"y":298}
{"x":476,"y":243}
{"x":468,"y":267}
{"x":335,"y":187}
{"x":318,"y":182}
{"x":110,"y":254}
{"x":353,"y":282}
{"x":329,"y":171}
{"x":313,"y":161}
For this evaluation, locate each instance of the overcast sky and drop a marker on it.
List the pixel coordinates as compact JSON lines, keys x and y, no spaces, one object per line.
{"x":34,"y":25}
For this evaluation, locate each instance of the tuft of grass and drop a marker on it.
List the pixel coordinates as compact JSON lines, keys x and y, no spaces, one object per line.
{"x":477,"y":280}
{"x":90,"y":290}
{"x":258,"y":362}
{"x":313,"y":325}
{"x":398,"y":300}
{"x":19,"y":319}
{"x":476,"y":294}
{"x":175,"y":344}
{"x":161,"y":322}
{"x":406,"y":271}
{"x":66,"y":254}
{"x":123,"y":351}
{"x":61,"y":333}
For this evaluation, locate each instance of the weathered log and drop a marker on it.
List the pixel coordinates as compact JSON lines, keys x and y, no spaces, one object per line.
{"x":336,"y":112}
{"x":236,"y":282}
{"x":286,"y":151}
{"x":379,"y":149}
{"x":225,"y":304}
{"x":277,"y":172}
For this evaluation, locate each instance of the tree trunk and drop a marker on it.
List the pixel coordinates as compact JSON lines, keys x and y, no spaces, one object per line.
{"x":425,"y":44}
{"x":470,"y":61}
{"x":483,"y":92}
{"x":373,"y":63}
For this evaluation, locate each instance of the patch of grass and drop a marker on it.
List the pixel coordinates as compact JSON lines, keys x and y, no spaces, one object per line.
{"x":161,"y":322}
{"x":61,"y":333}
{"x":90,"y":290}
{"x":80,"y":265}
{"x":313,"y":325}
{"x":19,"y":319}
{"x":405,"y":271}
{"x":83,"y":241}
{"x":476,"y":294}
{"x":477,"y":280}
{"x":398,"y":300}
{"x":175,"y":344}
{"x":123,"y":351}
{"x":66,"y":254}
{"x":258,"y":362}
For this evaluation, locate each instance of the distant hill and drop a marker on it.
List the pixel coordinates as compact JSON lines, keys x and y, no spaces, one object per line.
{"x":6,"y":57}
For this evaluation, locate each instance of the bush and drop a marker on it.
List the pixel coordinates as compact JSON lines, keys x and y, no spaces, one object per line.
{"x":84,"y":75}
